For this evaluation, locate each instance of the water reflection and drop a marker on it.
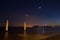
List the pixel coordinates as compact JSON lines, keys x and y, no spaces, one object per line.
{"x":25,"y":35}
{"x":6,"y":36}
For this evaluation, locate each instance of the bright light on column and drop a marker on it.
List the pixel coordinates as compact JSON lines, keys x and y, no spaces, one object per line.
{"x":24,"y":26}
{"x":6,"y":25}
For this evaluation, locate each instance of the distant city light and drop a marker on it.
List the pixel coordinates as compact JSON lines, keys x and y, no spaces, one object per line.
{"x":45,"y":24}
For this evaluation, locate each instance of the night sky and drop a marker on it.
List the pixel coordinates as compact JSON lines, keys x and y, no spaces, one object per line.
{"x":38,"y":11}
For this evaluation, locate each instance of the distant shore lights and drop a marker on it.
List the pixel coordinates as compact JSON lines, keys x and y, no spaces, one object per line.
{"x":6,"y":25}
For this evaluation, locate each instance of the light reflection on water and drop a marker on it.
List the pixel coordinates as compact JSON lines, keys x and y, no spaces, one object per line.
{"x":6,"y":36}
{"x":35,"y":36}
{"x":24,"y":36}
{"x":29,"y":34}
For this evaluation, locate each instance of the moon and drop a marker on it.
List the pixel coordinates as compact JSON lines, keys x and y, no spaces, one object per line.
{"x":39,"y":6}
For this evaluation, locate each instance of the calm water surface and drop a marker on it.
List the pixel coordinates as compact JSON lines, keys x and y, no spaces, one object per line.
{"x":30,"y":34}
